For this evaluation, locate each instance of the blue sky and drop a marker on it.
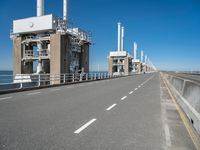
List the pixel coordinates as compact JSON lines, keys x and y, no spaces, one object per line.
{"x":167,"y":30}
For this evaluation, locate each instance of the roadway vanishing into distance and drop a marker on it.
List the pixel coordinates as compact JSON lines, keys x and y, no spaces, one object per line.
{"x":134,"y":112}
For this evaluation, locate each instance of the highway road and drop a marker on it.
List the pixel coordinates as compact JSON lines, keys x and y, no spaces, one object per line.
{"x":127,"y":113}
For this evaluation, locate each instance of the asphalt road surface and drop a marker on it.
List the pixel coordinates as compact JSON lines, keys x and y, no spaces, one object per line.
{"x":117,"y":114}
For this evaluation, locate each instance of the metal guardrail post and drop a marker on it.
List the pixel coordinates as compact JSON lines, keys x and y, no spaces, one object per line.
{"x":99,"y":76}
{"x":86,"y":76}
{"x":39,"y":79}
{"x":95,"y":76}
{"x":80,"y":77}
{"x":64,"y":78}
{"x":91,"y":77}
{"x":21,"y":85}
{"x":73,"y":77}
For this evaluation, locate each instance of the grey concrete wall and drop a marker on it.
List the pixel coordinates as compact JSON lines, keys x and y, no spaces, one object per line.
{"x":84,"y":60}
{"x":178,"y":84}
{"x":59,"y":53}
{"x":126,"y":65}
{"x":110,"y":65}
{"x":17,"y":55}
{"x":192,"y":94}
{"x":187,"y":94}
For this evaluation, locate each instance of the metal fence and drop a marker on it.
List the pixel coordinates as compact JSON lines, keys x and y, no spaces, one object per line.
{"x":24,"y":81}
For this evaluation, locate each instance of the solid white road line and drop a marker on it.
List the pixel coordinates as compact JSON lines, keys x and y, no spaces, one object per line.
{"x":167,"y":135}
{"x":131,"y":92}
{"x":33,"y":93}
{"x":147,"y":80}
{"x":85,"y":126}
{"x":4,"y":98}
{"x":55,"y":90}
{"x":70,"y":87}
{"x":123,"y":98}
{"x":136,"y":89}
{"x":112,"y":106}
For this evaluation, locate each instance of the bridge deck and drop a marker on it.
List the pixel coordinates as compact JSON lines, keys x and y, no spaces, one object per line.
{"x":125,"y":113}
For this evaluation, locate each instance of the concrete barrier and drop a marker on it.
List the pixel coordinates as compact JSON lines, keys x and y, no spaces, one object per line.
{"x":187,"y":94}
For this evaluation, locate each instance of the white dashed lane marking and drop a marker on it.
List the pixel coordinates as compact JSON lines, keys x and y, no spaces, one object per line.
{"x":131,"y":92}
{"x":123,"y":98}
{"x":112,"y":106}
{"x":84,"y":126}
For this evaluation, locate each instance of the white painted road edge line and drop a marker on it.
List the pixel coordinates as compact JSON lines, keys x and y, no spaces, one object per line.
{"x":131,"y":92}
{"x":112,"y":106}
{"x":70,"y":87}
{"x":4,"y":98}
{"x":85,"y":126}
{"x":167,"y":135}
{"x":55,"y":90}
{"x":136,"y":89}
{"x":34,"y":93}
{"x":123,"y":98}
{"x":147,"y":80}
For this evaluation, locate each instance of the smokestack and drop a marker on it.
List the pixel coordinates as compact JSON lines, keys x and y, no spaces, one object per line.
{"x":122,"y":40}
{"x":145,"y":59}
{"x":135,"y":51}
{"x":40,"y":8}
{"x":119,"y":37}
{"x":142,"y":55}
{"x":65,"y":10}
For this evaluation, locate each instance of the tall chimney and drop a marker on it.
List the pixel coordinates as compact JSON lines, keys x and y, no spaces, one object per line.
{"x":135,"y":51}
{"x":65,"y":10}
{"x":40,"y":8}
{"x":119,"y":37}
{"x":142,"y":56}
{"x":145,"y":59}
{"x":122,"y":40}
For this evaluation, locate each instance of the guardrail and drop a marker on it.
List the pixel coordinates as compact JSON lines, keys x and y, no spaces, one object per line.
{"x":187,"y":94}
{"x":26,"y":81}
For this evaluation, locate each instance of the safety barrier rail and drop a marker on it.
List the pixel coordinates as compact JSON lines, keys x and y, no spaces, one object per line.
{"x":187,"y":94}
{"x":25,"y":81}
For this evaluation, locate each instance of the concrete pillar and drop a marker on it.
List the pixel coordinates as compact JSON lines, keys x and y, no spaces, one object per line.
{"x":84,"y":59}
{"x":126,"y":66}
{"x":17,"y":56}
{"x":59,"y":61}
{"x":110,"y":65}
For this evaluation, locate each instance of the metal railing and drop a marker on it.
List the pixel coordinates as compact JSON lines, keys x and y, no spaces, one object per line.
{"x":24,"y":81}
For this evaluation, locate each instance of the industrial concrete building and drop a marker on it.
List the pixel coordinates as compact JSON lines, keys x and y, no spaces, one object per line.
{"x":45,"y":44}
{"x":141,"y":65}
{"x":120,"y":61}
{"x":137,"y":64}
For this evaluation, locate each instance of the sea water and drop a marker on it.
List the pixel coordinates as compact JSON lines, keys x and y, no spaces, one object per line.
{"x":6,"y":76}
